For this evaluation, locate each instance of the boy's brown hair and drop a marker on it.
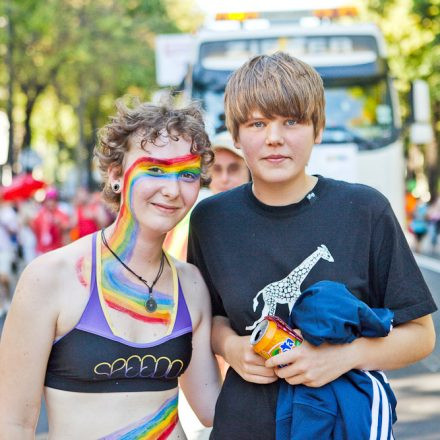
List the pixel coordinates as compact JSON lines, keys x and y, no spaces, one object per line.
{"x":277,"y":84}
{"x":151,"y":121}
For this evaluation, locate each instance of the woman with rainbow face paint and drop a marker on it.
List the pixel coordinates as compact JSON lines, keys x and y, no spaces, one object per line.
{"x":110,"y":325}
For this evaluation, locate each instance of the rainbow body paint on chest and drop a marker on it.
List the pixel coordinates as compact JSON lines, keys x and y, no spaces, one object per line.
{"x":120,"y":292}
{"x":158,"y":426}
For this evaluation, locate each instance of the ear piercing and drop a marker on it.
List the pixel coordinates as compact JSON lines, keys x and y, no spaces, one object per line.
{"x":116,"y":187}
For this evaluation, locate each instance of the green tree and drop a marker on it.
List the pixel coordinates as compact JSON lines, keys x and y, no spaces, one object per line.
{"x":37,"y":52}
{"x":83,"y":54}
{"x":111,"y":53}
{"x":412,"y":31}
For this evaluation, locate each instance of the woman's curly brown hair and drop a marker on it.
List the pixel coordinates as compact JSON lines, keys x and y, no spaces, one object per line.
{"x":152,"y":121}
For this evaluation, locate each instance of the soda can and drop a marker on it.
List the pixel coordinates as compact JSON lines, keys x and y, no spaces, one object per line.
{"x":273,"y":336}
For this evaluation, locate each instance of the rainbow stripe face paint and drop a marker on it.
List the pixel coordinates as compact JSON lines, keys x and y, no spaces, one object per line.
{"x":158,"y":426}
{"x":119,"y":291}
{"x":185,"y":168}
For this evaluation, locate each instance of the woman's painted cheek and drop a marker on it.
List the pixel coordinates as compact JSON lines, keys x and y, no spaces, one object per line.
{"x":133,"y":177}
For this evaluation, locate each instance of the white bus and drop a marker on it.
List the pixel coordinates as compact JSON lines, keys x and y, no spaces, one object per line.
{"x":362,"y":141}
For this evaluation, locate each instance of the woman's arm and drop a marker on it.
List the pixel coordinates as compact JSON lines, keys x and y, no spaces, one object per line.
{"x":24,"y":350}
{"x":201,"y":381}
{"x":315,"y":366}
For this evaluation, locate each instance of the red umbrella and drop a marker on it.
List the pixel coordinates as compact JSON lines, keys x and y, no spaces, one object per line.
{"x":22,"y":187}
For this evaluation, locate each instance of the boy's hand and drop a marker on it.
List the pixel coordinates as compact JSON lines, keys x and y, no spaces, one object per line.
{"x":240,"y":355}
{"x":310,"y":365}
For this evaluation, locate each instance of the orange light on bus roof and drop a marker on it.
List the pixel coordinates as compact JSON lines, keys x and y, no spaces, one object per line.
{"x":237,"y":16}
{"x":348,"y":11}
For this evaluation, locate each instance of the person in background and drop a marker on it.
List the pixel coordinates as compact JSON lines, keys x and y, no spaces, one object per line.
{"x":26,"y":237}
{"x":89,"y":215}
{"x":410,"y":206}
{"x":8,"y":249}
{"x":419,"y":224}
{"x":228,"y":171}
{"x":51,"y":224}
{"x":434,"y":223}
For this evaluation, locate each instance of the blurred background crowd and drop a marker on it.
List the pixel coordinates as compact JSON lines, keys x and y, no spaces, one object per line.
{"x":29,"y":228}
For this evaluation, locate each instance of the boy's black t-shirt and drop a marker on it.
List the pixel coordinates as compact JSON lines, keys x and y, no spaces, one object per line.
{"x":340,"y":232}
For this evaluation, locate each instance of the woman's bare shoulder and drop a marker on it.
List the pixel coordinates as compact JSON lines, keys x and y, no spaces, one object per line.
{"x":190,"y":276}
{"x":194,"y":289}
{"x":50,"y":273}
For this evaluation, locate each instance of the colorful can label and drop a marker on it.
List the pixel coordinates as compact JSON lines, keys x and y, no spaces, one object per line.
{"x":273,"y":336}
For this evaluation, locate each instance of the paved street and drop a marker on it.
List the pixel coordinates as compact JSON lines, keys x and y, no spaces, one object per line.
{"x":417,"y":387}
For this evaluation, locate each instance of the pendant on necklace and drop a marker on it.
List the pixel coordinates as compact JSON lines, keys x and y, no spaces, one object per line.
{"x":150,"y":305}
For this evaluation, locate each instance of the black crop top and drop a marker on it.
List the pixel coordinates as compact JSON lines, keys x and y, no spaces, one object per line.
{"x":92,"y":359}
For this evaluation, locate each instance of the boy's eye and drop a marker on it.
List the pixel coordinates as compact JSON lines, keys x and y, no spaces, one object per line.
{"x":155,"y":171}
{"x":258,"y":124}
{"x":188,"y":176}
{"x":291,"y":122}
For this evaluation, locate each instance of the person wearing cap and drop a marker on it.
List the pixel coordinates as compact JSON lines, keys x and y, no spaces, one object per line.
{"x":229,"y":169}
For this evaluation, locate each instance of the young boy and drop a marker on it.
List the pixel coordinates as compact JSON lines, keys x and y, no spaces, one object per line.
{"x":260,"y":245}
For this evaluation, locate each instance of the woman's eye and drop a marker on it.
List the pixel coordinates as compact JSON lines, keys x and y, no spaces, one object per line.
{"x":188,"y":176}
{"x":155,"y":171}
{"x":291,"y":122}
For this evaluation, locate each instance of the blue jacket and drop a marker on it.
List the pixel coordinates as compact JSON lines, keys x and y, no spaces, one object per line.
{"x":359,"y":405}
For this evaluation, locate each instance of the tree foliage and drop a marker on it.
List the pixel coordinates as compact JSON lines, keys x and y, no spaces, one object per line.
{"x":80,"y":54}
{"x":412,"y":31}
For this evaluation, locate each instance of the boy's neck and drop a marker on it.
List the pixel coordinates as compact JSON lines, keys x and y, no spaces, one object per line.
{"x":282,"y":194}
